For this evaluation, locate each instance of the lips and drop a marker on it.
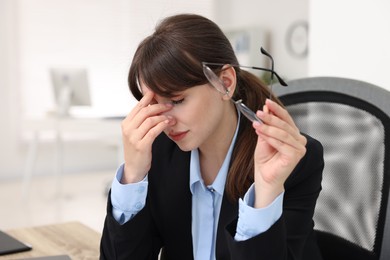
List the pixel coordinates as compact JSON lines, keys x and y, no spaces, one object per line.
{"x":177,"y":136}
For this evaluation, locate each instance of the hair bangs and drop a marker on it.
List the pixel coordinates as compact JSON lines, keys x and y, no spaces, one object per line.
{"x":171,"y":71}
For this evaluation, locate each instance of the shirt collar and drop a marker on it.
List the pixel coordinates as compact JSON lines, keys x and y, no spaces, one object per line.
{"x":219,"y":183}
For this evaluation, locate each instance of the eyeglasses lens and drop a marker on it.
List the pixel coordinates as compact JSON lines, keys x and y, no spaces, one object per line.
{"x":213,"y":79}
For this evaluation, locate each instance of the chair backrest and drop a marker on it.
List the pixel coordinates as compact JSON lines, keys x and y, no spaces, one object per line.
{"x":352,"y":120}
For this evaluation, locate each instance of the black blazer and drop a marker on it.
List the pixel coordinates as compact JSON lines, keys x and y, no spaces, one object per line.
{"x":165,"y":221}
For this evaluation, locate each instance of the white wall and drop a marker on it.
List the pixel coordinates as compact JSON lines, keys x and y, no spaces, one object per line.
{"x":100,"y":35}
{"x":351,"y":38}
{"x":274,"y":17}
{"x":9,"y":91}
{"x":90,"y":34}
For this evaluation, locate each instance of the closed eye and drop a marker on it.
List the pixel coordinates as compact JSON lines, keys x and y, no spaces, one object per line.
{"x":177,"y":102}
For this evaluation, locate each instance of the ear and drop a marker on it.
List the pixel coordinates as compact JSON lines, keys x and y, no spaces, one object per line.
{"x":228,"y":77}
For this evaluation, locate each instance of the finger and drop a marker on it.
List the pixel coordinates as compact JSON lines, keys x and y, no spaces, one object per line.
{"x":141,"y":140}
{"x":265,"y":109}
{"x":150,"y":111}
{"x":274,"y":121}
{"x":282,"y":141}
{"x":153,"y":132}
{"x":144,"y":102}
{"x":290,"y":149}
{"x":151,"y":122}
{"x":279,"y":111}
{"x":272,"y":108}
{"x":296,"y":141}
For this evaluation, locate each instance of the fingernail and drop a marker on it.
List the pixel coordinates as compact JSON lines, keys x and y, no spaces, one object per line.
{"x":260,"y":113}
{"x":171,"y":120}
{"x":256,"y":124}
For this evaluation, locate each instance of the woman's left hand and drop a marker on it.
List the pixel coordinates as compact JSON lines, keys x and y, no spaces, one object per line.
{"x":280,"y":146}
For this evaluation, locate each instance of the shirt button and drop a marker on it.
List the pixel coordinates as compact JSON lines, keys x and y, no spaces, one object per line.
{"x":141,"y":189}
{"x":211,"y":189}
{"x":138,"y":205}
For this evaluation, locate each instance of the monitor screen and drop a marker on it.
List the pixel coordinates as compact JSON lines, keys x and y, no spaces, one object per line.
{"x":71,"y":88}
{"x":75,"y":80}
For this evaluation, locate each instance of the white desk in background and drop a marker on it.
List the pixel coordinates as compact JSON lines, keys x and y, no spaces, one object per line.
{"x":66,"y":128}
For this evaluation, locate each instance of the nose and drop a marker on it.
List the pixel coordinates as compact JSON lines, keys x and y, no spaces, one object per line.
{"x":171,"y":117}
{"x":172,"y":120}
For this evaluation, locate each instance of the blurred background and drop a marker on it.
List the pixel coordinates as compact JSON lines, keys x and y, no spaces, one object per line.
{"x":56,"y":167}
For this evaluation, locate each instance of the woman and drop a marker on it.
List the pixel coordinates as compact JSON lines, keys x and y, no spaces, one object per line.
{"x":201,"y":181}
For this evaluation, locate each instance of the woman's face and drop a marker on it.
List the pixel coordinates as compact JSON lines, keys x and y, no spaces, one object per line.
{"x":202,"y":115}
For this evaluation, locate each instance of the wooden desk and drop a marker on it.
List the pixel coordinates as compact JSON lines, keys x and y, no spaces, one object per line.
{"x":70,"y":238}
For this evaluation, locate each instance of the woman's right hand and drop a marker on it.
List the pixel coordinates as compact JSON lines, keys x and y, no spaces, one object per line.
{"x":139,"y":130}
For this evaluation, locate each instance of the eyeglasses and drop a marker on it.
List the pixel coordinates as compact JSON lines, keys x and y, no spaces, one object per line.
{"x":217,"y":83}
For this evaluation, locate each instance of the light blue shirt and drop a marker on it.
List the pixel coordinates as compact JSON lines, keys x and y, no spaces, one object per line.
{"x":129,"y":199}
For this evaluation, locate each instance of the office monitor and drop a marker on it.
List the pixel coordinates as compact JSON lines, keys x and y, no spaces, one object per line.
{"x":71,"y":88}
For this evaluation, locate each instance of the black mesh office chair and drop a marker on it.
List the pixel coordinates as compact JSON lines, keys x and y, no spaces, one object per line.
{"x":352,"y":120}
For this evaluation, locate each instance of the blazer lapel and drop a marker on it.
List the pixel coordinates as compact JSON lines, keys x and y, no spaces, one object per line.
{"x":173,"y":196}
{"x":228,"y":214}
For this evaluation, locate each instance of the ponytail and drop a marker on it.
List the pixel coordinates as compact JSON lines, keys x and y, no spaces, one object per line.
{"x":253,"y":93}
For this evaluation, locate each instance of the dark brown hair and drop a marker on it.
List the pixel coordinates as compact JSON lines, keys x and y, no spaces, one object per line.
{"x":169,"y":61}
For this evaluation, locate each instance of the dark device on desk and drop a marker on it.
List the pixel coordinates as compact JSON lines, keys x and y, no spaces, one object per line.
{"x":9,"y":244}
{"x":54,"y":257}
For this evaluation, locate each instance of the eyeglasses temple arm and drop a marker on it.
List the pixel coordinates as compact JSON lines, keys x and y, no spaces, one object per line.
{"x":272,"y":62}
{"x":281,"y":81}
{"x":269,"y":56}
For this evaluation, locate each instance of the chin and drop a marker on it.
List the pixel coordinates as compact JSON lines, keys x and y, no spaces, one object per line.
{"x":185,"y":148}
{"x":185,"y":144}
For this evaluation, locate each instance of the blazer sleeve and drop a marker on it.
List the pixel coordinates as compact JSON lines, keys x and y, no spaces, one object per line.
{"x":292,"y":236}
{"x":157,"y":225}
{"x":136,"y":239}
